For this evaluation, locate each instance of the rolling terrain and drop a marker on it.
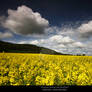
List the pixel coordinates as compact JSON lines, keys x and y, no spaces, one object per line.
{"x":25,"y":48}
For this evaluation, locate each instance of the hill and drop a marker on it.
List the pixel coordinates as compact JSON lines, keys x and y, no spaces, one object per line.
{"x":25,"y":48}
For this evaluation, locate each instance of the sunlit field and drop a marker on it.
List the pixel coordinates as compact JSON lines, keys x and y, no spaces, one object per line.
{"x":41,"y":69}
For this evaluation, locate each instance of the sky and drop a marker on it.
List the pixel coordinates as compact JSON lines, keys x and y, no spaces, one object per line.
{"x":62,"y":25}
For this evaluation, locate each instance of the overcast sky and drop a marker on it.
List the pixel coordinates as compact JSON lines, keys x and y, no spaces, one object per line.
{"x":62,"y":25}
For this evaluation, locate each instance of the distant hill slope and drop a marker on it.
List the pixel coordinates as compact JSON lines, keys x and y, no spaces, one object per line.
{"x":25,"y":48}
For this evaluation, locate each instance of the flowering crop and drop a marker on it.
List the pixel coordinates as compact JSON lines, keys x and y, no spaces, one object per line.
{"x":41,"y":69}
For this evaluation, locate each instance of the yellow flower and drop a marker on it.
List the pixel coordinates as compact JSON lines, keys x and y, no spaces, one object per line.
{"x":43,"y":69}
{"x":11,"y":79}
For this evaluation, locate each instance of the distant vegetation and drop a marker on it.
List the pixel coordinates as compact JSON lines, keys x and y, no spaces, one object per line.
{"x":25,"y":48}
{"x":28,"y":48}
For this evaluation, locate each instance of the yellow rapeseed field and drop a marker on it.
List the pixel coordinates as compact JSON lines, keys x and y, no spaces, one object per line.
{"x":41,"y":69}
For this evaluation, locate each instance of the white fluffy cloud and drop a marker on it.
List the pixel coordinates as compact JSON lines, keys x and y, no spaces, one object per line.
{"x":35,"y":42}
{"x":24,"y":21}
{"x":5,"y":35}
{"x":78,"y":44}
{"x":85,"y":30}
{"x":59,"y":43}
{"x":60,"y":39}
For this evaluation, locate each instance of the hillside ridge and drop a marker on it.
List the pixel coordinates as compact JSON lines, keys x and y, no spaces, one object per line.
{"x":25,"y":48}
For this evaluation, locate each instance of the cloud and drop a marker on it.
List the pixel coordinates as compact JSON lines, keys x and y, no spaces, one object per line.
{"x":35,"y":42}
{"x":2,"y":20}
{"x":85,"y":30}
{"x":64,"y":41}
{"x":5,"y":35}
{"x":61,"y":39}
{"x":60,"y":44}
{"x":56,"y":41}
{"x":25,"y":22}
{"x":78,"y":44}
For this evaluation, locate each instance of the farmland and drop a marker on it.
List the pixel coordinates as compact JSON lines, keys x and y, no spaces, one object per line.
{"x":43,"y":69}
